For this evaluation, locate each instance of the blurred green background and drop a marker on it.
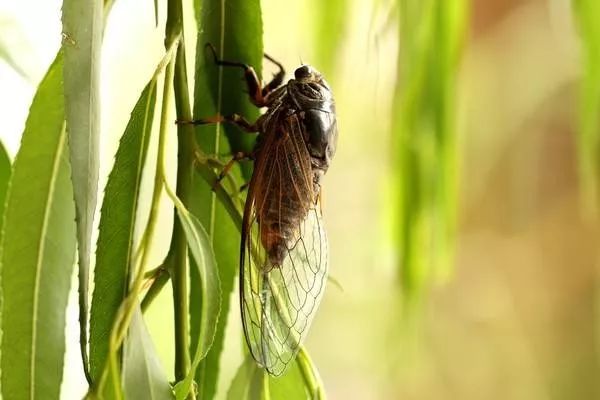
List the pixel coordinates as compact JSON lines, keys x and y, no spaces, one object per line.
{"x":514,"y":312}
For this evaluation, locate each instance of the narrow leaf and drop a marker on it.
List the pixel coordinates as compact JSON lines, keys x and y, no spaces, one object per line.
{"x":5,"y":170}
{"x":423,"y":138}
{"x":234,"y":27}
{"x":587,"y":13}
{"x":156,"y":12}
{"x":290,"y":386}
{"x":143,"y":374}
{"x":330,"y":31}
{"x":114,"y":249}
{"x":210,"y":290}
{"x":310,"y":375}
{"x":247,"y":383}
{"x":252,"y":382}
{"x":37,"y":251}
{"x":82,"y":27}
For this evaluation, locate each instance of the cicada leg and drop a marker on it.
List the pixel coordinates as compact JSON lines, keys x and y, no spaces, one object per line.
{"x":237,"y":120}
{"x":237,"y":157}
{"x":243,"y":187}
{"x":257,"y":93}
{"x":277,"y":79}
{"x":225,"y":169}
{"x":234,"y":119}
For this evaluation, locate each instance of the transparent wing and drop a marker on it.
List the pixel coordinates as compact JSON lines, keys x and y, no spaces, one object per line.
{"x":279,"y":295}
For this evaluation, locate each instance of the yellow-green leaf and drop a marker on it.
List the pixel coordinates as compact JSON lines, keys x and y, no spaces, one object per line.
{"x":38,"y":250}
{"x":234,"y":27}
{"x":248,"y":382}
{"x":143,"y":374}
{"x":114,"y":250}
{"x":82,"y":30}
{"x":5,"y":170}
{"x":209,"y":289}
{"x":423,"y":136}
{"x":587,"y":13}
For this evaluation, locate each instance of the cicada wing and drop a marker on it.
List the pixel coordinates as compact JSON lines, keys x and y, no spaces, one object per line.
{"x":278,"y":302}
{"x":278,"y":306}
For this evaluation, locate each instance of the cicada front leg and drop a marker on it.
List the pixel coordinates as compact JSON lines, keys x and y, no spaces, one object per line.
{"x":258,"y":94}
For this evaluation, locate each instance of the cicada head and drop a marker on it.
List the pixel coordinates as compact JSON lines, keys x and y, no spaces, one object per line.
{"x":305,"y":75}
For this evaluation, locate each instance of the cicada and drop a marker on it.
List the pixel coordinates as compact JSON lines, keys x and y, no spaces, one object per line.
{"x":284,"y":252}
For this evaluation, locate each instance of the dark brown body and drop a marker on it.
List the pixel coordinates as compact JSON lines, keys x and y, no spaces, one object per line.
{"x":298,"y":136}
{"x":284,"y":249}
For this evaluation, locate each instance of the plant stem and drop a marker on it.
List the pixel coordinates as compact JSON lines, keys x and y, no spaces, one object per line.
{"x":159,"y":282}
{"x":205,"y":171}
{"x":185,"y":165}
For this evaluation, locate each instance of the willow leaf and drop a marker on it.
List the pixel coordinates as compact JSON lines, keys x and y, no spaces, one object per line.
{"x":247,"y":383}
{"x":234,"y":27}
{"x":5,"y":170}
{"x":143,"y":374}
{"x":38,"y":250}
{"x":252,"y":382}
{"x":291,"y":385}
{"x":423,"y":135}
{"x":330,"y":29}
{"x":82,"y":29}
{"x":117,"y":223}
{"x":587,"y":14}
{"x":210,"y":293}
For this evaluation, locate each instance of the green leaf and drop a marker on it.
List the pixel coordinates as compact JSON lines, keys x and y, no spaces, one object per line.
{"x":247,"y":383}
{"x":310,"y":375}
{"x":587,"y":13}
{"x":156,"y":12}
{"x":5,"y":170}
{"x":38,"y":250}
{"x":82,"y":29}
{"x":114,"y":251}
{"x":143,"y":374}
{"x":330,"y":21}
{"x":235,"y":29}
{"x":210,"y":291}
{"x":252,"y":382}
{"x":290,"y":386}
{"x":423,"y":148}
